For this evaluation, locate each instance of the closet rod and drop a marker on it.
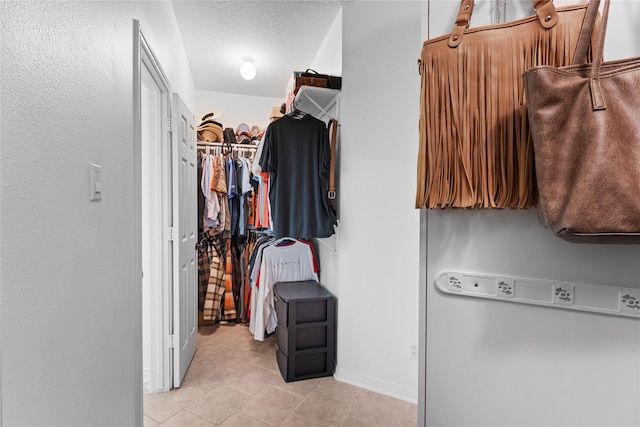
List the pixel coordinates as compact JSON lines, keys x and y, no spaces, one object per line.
{"x":224,"y":144}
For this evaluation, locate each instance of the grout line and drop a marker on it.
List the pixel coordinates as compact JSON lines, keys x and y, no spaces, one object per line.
{"x":198,"y":416}
{"x":353,"y":403}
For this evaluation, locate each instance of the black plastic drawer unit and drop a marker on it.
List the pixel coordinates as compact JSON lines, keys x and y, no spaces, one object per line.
{"x":305,"y":335}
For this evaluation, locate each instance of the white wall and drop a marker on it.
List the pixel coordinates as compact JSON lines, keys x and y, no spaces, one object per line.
{"x":71,"y":308}
{"x":231,"y":109}
{"x":377,"y":264}
{"x":492,"y":363}
{"x":328,"y":59}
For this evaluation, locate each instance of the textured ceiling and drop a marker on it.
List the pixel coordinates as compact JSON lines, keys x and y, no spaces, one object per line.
{"x":281,"y":36}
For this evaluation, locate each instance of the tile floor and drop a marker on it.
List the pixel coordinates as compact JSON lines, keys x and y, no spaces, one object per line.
{"x":234,"y":381}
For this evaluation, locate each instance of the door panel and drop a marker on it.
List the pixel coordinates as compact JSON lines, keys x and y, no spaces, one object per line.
{"x":185,"y":303}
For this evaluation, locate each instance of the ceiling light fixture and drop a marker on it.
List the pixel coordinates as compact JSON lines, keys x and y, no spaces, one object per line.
{"x":247,"y":69}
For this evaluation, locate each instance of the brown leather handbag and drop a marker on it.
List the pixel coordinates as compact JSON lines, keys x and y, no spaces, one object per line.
{"x":475,"y":148}
{"x":585,"y":124}
{"x":313,"y":78}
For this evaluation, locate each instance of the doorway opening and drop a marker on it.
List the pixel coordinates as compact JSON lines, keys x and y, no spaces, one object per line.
{"x":165,"y":210}
{"x":152,"y":93}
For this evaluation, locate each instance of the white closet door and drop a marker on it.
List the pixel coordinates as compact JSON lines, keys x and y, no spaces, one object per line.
{"x":185,"y":262}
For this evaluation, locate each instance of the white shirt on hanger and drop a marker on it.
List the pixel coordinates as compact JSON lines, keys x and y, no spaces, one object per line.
{"x":290,"y":263}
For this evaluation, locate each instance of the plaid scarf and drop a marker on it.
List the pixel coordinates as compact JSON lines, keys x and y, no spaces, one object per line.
{"x":215,"y":287}
{"x":203,"y":274}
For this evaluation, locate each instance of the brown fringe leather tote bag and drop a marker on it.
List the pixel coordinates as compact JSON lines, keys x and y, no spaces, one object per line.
{"x":585,"y":124}
{"x":475,"y":149}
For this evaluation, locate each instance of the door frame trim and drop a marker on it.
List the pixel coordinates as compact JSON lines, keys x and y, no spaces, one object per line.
{"x":145,"y":57}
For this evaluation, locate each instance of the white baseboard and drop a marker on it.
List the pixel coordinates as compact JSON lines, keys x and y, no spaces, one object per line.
{"x":377,"y":385}
{"x":145,"y":381}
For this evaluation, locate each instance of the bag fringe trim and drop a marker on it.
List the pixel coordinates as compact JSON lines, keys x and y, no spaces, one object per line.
{"x":475,"y":150}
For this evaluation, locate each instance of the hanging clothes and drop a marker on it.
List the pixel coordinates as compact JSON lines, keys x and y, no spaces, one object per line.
{"x":244,"y":189}
{"x":233,"y":195}
{"x":260,"y":183}
{"x":204,"y":270}
{"x":201,"y":198}
{"x":237,"y":273}
{"x":219,"y":185}
{"x":216,"y":285}
{"x":297,"y":156}
{"x":246,"y":289}
{"x":211,"y":199}
{"x":262,"y":209}
{"x":224,"y":205}
{"x":229,"y":303}
{"x":284,"y":260}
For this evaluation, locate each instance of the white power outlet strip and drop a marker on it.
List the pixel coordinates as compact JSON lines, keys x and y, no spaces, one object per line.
{"x":413,"y":351}
{"x":615,"y":300}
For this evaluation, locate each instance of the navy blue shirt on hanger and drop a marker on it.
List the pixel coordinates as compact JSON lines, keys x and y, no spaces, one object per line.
{"x":297,"y":156}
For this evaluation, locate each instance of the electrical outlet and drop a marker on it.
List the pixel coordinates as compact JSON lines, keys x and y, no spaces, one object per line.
{"x":563,"y":294}
{"x":413,"y":351}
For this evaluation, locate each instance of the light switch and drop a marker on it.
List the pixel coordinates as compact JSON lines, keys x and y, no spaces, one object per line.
{"x":95,"y":172}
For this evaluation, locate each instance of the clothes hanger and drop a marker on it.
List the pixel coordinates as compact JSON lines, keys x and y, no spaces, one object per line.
{"x":297,"y":114}
{"x":229,"y":148}
{"x":277,"y":242}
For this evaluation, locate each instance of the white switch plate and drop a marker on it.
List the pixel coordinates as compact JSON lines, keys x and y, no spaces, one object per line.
{"x":95,"y":183}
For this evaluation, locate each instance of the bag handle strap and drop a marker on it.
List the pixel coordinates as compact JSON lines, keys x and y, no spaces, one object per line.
{"x":546,"y":11}
{"x":586,"y":33}
{"x":462,"y":22}
{"x":594,"y":81}
{"x":333,"y":125}
{"x":588,"y":26}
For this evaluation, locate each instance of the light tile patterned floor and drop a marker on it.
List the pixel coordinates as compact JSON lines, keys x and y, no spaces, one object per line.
{"x":234,"y":381}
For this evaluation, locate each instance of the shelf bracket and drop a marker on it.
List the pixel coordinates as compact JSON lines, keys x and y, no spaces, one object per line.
{"x":325,"y":110}
{"x":328,"y":98}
